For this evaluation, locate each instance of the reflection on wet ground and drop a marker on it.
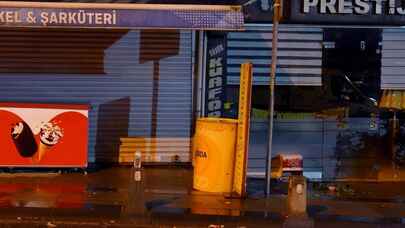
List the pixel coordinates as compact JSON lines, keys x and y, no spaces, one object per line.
{"x":165,"y":195}
{"x":365,"y":157}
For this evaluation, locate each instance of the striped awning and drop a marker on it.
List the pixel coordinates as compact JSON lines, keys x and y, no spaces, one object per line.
{"x":120,"y":15}
{"x":392,"y":99}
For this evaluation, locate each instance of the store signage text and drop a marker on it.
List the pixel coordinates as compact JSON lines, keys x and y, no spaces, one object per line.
{"x":333,"y":12}
{"x":359,"y":7}
{"x":61,"y":17}
{"x":346,"y":12}
{"x":131,"y":18}
{"x":215,"y":82}
{"x":216,"y":76}
{"x":201,"y":154}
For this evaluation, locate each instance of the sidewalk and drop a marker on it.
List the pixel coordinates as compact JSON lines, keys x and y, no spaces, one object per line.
{"x":111,"y":198}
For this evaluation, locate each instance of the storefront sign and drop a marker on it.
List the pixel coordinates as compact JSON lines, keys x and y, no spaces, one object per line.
{"x":216,"y":75}
{"x":43,"y":135}
{"x":347,"y":12}
{"x":55,"y":17}
{"x":121,"y":18}
{"x":360,"y":7}
{"x":339,"y":12}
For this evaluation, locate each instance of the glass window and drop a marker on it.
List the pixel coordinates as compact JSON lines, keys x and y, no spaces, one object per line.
{"x":340,"y":128}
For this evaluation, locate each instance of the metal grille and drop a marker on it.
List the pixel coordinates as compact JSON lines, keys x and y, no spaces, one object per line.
{"x":118,"y":81}
{"x":393,"y":59}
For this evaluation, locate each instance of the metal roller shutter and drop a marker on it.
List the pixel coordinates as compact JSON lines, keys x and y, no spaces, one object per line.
{"x":393,"y":59}
{"x":113,"y":71}
{"x":300,"y":54}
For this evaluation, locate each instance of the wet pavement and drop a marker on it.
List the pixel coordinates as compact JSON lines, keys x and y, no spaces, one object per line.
{"x":110,"y":197}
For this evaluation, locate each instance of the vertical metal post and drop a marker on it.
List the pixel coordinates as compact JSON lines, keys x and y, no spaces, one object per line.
{"x":276,"y":17}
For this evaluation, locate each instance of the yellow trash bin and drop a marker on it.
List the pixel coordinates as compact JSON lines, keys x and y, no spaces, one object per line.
{"x":213,"y":154}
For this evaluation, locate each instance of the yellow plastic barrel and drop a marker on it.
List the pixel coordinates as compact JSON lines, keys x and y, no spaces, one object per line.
{"x":213,"y":154}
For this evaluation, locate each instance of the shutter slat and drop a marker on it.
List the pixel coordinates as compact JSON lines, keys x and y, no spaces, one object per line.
{"x":393,"y":59}
{"x":299,"y":55}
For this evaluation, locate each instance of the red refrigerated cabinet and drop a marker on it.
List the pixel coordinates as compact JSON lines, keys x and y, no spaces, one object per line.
{"x":43,"y":135}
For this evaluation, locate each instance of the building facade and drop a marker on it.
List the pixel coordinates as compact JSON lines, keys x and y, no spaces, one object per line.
{"x":339,"y":85}
{"x":132,"y":64}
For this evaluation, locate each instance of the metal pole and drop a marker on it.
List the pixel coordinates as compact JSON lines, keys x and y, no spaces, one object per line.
{"x":276,"y":17}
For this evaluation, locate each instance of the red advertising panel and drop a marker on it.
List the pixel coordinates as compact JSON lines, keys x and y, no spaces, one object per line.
{"x":43,"y":135}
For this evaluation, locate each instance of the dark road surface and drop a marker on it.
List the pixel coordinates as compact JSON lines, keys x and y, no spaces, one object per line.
{"x":164,"y":198}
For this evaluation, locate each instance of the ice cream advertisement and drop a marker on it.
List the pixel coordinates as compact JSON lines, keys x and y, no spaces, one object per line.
{"x":43,"y":135}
